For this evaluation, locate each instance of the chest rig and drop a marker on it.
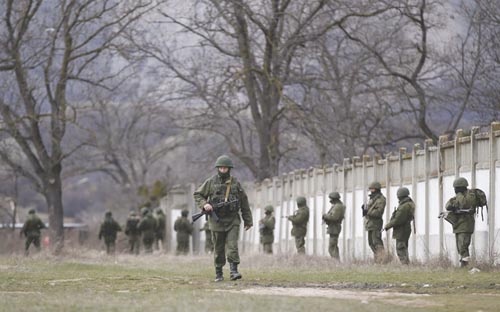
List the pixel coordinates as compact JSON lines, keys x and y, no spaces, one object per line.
{"x":227,"y":191}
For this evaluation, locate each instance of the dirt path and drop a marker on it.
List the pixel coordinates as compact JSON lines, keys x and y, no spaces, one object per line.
{"x":395,"y":298}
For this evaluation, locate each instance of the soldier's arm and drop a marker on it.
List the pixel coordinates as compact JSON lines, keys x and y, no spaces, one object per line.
{"x":451,"y":204}
{"x":400,"y":218}
{"x":202,"y":193}
{"x":246,"y":213}
{"x":377,"y":210}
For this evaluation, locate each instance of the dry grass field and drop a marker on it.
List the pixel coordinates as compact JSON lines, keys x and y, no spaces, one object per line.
{"x":92,"y":281}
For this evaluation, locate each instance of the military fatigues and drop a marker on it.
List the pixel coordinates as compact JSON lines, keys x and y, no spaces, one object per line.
{"x":31,"y":230}
{"x":266,"y":229}
{"x":226,"y":231}
{"x":133,"y":233}
{"x":108,"y":230}
{"x":401,"y":223}
{"x":160,"y":230}
{"x":147,"y":226}
{"x":373,"y":223}
{"x":209,"y":246}
{"x":184,"y":229}
{"x":463,"y":222}
{"x":299,"y":230}
{"x":334,"y":219}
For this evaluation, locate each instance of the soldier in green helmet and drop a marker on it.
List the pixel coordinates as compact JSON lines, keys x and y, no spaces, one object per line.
{"x":266,"y":229}
{"x":401,"y":223}
{"x":299,"y":224}
{"x":461,"y":213}
{"x":160,"y":229}
{"x":31,"y":230}
{"x":147,"y":226}
{"x":333,"y":218}
{"x":108,"y":231}
{"x":133,"y":233}
{"x":184,"y":229}
{"x":372,"y":213}
{"x":220,"y":188}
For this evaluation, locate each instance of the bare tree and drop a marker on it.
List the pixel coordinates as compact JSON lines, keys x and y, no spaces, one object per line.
{"x":242,"y":60}
{"x":49,"y":49}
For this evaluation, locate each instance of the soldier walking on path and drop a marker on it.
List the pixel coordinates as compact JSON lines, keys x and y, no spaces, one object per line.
{"x":147,"y":226}
{"x":266,"y":229}
{"x":225,"y":191}
{"x":299,"y":222}
{"x":372,"y":213}
{"x":31,"y":230}
{"x":401,"y":223}
{"x":109,"y":229}
{"x":333,"y":218}
{"x":133,"y":233}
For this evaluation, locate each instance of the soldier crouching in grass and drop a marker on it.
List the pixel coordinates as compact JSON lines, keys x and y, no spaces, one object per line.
{"x":225,"y":221}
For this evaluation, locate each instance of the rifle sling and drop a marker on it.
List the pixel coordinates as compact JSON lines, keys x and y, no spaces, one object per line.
{"x":228,"y":188}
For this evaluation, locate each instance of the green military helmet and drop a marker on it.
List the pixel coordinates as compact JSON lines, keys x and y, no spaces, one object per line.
{"x":31,"y":211}
{"x":184,"y":212}
{"x":460,"y":182}
{"x":224,"y":161}
{"x":403,"y":192}
{"x":301,"y":201}
{"x":334,"y":195}
{"x":268,"y":209}
{"x":144,"y":211}
{"x":375,"y":185}
{"x":108,"y":214}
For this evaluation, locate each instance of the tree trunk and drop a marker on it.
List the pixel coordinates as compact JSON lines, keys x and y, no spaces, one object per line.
{"x":53,"y":197}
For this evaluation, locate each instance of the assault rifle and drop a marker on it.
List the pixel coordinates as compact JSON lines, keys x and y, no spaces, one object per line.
{"x":213,"y":213}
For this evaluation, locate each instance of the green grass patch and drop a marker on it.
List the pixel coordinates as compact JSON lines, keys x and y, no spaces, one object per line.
{"x":91,"y":281}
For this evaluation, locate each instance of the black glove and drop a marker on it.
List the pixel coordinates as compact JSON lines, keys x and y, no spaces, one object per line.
{"x":364,"y":210}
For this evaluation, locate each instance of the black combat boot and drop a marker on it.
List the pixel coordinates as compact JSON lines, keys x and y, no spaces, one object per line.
{"x":234,"y":274}
{"x":463,"y":264}
{"x":218,"y":275}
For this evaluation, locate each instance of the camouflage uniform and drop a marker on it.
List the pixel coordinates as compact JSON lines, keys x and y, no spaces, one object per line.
{"x":108,"y":230}
{"x":333,"y":218}
{"x":184,"y":229}
{"x":401,"y":223}
{"x":299,"y":221}
{"x":31,"y":230}
{"x":160,"y":230}
{"x":461,"y":214}
{"x":147,"y":226}
{"x":266,"y":229}
{"x":374,"y":211}
{"x":220,"y":188}
{"x":209,"y":245}
{"x":133,"y":233}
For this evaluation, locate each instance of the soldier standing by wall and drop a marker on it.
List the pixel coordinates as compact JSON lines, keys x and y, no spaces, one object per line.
{"x":224,"y":188}
{"x":373,"y":212}
{"x":209,"y":246}
{"x":299,"y":221}
{"x":133,"y":233}
{"x":266,"y":229}
{"x":184,"y":229}
{"x":160,"y":230}
{"x":461,"y":215}
{"x":333,"y":218}
{"x":31,"y":230}
{"x":147,"y":227}
{"x":401,"y":223}
{"x":109,"y":229}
